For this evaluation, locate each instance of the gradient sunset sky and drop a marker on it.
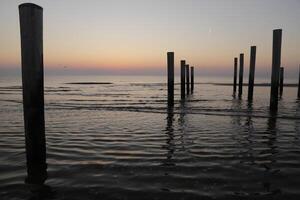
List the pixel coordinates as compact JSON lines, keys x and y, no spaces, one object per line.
{"x":133,"y":36}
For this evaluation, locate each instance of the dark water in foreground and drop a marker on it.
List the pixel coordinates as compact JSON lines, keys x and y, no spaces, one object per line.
{"x":118,"y":141}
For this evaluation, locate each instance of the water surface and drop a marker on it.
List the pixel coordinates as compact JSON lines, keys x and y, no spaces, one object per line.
{"x":119,"y":141}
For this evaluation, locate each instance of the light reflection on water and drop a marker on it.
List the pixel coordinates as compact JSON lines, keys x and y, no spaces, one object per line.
{"x":120,"y":140}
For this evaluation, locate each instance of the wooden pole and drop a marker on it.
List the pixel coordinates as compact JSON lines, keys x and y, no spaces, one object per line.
{"x":235,"y":75}
{"x":251,"y":73}
{"x":276,"y":59}
{"x":182,"y":80}
{"x":281,"y":81}
{"x":187,"y":74}
{"x":170,"y":60}
{"x":299,"y":84}
{"x":241,"y":74}
{"x":192,"y":80}
{"x":31,"y":27}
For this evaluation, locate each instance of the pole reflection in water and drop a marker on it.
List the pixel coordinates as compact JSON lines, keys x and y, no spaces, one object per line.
{"x":238,"y":135}
{"x":170,"y":143}
{"x":270,"y":152}
{"x":40,"y":192}
{"x":257,"y":150}
{"x":250,"y":134}
{"x":182,"y":123}
{"x":249,"y":122}
{"x":236,"y":109}
{"x":297,"y":121}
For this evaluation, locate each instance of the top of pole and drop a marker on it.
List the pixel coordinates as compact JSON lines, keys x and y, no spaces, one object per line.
{"x":31,"y":5}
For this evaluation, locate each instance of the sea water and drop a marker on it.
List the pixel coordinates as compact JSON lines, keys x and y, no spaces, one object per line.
{"x":120,"y":141}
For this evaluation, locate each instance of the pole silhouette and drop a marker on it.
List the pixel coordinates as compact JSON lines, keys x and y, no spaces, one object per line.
{"x":170,"y":60}
{"x":251,"y":73}
{"x":187,"y":74}
{"x":276,"y":60}
{"x":235,"y":75}
{"x":281,"y":81}
{"x":192,"y":80}
{"x":299,"y":84}
{"x":182,"y":79}
{"x":31,"y":27}
{"x":241,"y":74}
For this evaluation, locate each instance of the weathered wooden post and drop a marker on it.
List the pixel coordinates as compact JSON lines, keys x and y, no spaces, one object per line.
{"x":281,"y":81}
{"x":170,"y":60}
{"x":276,"y":59}
{"x":192,"y":80}
{"x":182,"y":80}
{"x":241,"y":74}
{"x":187,"y":74}
{"x":299,"y":84}
{"x":251,"y":73}
{"x":31,"y":27}
{"x":235,"y":75}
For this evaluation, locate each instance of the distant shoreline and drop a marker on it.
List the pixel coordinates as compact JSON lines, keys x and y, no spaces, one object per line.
{"x":89,"y":83}
{"x":220,"y":84}
{"x":256,"y":84}
{"x":203,"y":83}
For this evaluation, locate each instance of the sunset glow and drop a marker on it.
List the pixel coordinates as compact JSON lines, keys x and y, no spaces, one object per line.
{"x":116,"y":35}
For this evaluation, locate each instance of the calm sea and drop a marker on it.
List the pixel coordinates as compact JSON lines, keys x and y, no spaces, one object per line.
{"x":119,"y":141}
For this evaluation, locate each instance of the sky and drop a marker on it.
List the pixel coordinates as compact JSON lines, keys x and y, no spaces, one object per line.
{"x":134,"y":36}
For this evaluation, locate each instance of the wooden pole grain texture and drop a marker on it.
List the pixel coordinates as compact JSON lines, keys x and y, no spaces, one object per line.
{"x":235,"y":75}
{"x":251,"y":73}
{"x":281,"y":79}
{"x":170,"y":63}
{"x":276,"y":61}
{"x":299,"y":84}
{"x":192,"y":80}
{"x":187,"y":74}
{"x":182,"y":79}
{"x":241,"y":75}
{"x":31,"y":28}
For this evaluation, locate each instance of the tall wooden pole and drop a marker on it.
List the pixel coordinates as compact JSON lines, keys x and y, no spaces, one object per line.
{"x":182,"y":79}
{"x":31,"y":27}
{"x":235,"y":75}
{"x":187,"y":74}
{"x":241,"y":74}
{"x":192,"y":80}
{"x":276,"y":60}
{"x":170,"y":60}
{"x":251,"y":73}
{"x":299,"y":84}
{"x":281,"y":81}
